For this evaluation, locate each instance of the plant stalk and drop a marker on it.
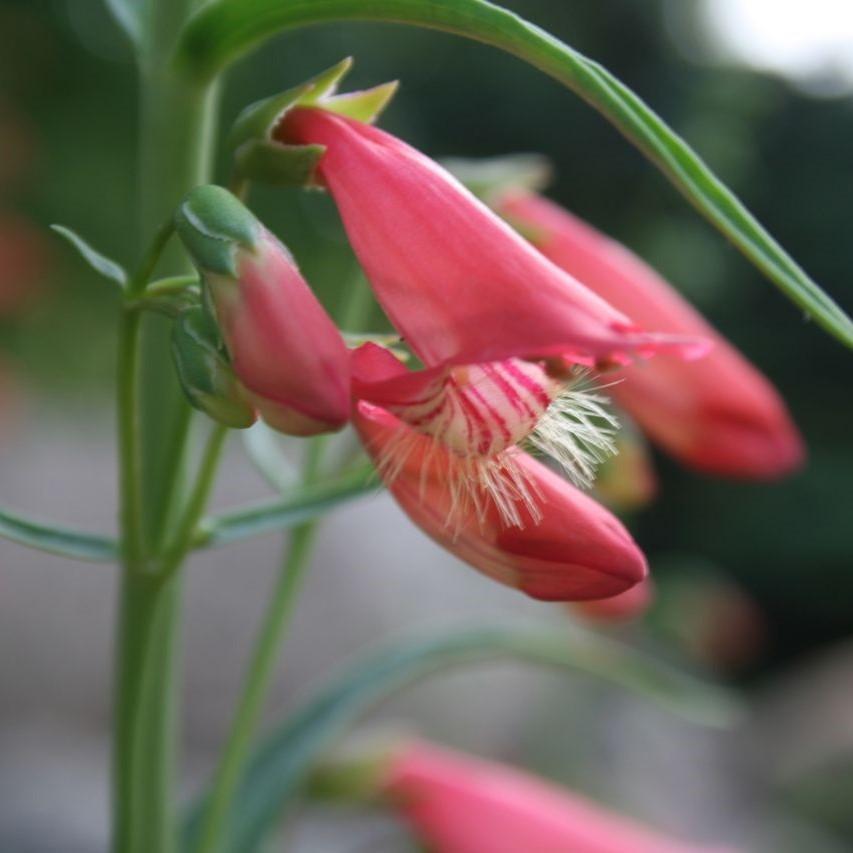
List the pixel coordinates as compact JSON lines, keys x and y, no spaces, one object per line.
{"x":177,"y":131}
{"x":261,"y":669}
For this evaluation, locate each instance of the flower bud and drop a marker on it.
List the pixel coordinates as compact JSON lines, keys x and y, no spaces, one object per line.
{"x":205,"y":373}
{"x":284,"y":347}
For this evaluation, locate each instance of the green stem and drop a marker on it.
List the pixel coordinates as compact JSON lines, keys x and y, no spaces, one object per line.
{"x":261,"y":668}
{"x":129,"y":442}
{"x":184,"y":535}
{"x":144,"y":716}
{"x":177,"y":133}
{"x":256,"y":686}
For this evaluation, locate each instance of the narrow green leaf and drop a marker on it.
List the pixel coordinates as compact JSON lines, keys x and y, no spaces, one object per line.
{"x":57,"y":540}
{"x":284,"y":759}
{"x":98,"y":262}
{"x":225,"y":29}
{"x":262,"y":447}
{"x":272,"y":516}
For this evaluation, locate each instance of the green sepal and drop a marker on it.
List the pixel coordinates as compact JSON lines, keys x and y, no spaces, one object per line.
{"x":490,"y":177}
{"x":366,"y":105}
{"x":205,"y":372}
{"x":260,"y":157}
{"x":278,"y":165}
{"x":213,"y":224}
{"x":260,"y":119}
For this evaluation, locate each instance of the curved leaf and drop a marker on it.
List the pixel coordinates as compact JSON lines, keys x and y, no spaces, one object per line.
{"x":98,"y":262}
{"x":301,"y":505}
{"x":225,"y":29}
{"x":57,"y":540}
{"x":283,"y":760}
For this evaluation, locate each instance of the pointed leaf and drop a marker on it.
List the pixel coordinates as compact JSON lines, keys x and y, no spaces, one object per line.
{"x":285,"y":758}
{"x":272,"y":516}
{"x":222,"y":30}
{"x":98,"y":262}
{"x":57,"y":540}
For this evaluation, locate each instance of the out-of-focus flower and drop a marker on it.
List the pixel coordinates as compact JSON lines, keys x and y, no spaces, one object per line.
{"x":717,"y":414}
{"x":501,"y":332}
{"x":459,"y":804}
{"x":284,"y":347}
{"x":624,"y":607}
{"x":627,"y":480}
{"x":23,"y":263}
{"x":711,"y":616}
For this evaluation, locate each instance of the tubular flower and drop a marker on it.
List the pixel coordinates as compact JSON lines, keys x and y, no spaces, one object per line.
{"x":499,"y":329}
{"x":459,"y":804}
{"x":718,"y":414}
{"x":508,"y":516}
{"x":284,"y":348}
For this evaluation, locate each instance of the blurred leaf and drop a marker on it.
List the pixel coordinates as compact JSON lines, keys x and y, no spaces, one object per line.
{"x":57,"y":540}
{"x":261,"y":446}
{"x":128,"y":14}
{"x":281,"y":763}
{"x":306,"y":503}
{"x":225,"y":29}
{"x":98,"y":262}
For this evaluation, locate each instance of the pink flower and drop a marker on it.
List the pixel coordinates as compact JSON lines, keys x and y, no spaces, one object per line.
{"x":500,"y":331}
{"x":717,"y":414}
{"x":284,"y":347}
{"x":563,"y":547}
{"x":458,"y":283}
{"x":459,"y":804}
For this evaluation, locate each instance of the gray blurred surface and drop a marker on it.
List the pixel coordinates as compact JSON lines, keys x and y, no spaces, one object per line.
{"x":373,"y":575}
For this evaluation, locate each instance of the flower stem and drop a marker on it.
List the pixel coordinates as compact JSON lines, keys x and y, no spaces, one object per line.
{"x":184,"y":534}
{"x":176,"y":144}
{"x":256,"y":684}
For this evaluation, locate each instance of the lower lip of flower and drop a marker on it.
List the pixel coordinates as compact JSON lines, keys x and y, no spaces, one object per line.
{"x":481,"y":413}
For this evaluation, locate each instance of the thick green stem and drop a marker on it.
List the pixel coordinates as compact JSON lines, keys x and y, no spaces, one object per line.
{"x":143,"y":818}
{"x":177,"y":124}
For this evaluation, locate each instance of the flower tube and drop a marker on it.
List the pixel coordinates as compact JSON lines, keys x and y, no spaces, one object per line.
{"x":458,"y":283}
{"x":460,"y":804}
{"x":717,"y":414}
{"x":501,"y":332}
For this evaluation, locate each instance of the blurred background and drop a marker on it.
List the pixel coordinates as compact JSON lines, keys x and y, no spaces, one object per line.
{"x":756,"y":581}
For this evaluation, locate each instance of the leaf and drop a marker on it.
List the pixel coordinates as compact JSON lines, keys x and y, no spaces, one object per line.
{"x":98,"y":262}
{"x":285,"y":757}
{"x":223,"y":30}
{"x":57,"y":540}
{"x":271,"y":516}
{"x":261,"y":446}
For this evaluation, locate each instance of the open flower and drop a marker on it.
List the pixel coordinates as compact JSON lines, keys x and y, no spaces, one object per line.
{"x":501,"y":332}
{"x":459,"y":804}
{"x":563,"y":546}
{"x":717,"y":414}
